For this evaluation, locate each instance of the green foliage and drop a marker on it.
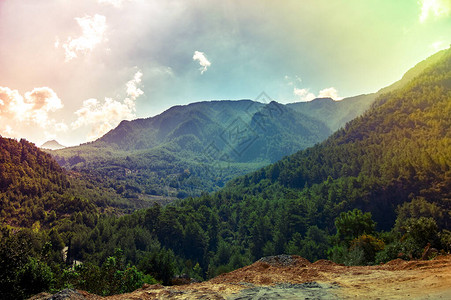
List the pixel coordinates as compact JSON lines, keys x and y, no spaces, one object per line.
{"x":159,"y":264}
{"x":188,"y":150}
{"x":13,"y":258}
{"x":344,"y":255}
{"x":112,"y":277}
{"x":35,"y":277}
{"x":23,"y":267}
{"x":393,"y":163}
{"x":422,"y":231}
{"x":353,"y":224}
{"x":36,"y":192}
{"x":369,"y":245}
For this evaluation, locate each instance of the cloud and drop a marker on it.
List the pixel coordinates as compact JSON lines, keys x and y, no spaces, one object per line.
{"x":203,"y":61}
{"x":105,"y":115}
{"x":93,"y":32}
{"x":329,"y":93}
{"x":292,"y":80}
{"x":439,"y":45}
{"x":435,"y":8}
{"x":133,"y":91}
{"x":21,"y":115}
{"x":305,"y":94}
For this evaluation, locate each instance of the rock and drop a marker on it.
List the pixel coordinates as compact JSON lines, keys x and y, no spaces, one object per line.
{"x":67,"y":294}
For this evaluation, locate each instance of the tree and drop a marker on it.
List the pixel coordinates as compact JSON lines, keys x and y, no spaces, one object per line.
{"x":352,"y":224}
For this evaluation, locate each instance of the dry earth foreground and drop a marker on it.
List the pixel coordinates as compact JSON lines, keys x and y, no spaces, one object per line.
{"x":293,"y":277}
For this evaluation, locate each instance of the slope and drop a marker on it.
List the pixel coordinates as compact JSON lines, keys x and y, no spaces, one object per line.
{"x":397,"y":151}
{"x":52,"y":145}
{"x":393,"y":163}
{"x":35,"y":190}
{"x":194,"y":148}
{"x":335,"y":114}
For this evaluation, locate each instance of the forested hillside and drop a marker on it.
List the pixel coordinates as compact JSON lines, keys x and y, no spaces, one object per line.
{"x":191,"y":149}
{"x":377,"y":190}
{"x":36,"y":191}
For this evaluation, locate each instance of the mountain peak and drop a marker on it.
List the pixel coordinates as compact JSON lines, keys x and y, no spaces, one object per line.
{"x":52,"y":145}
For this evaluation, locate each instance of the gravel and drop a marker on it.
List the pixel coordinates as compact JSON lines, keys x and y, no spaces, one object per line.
{"x":67,"y":294}
{"x":307,"y":290}
{"x":283,"y":260}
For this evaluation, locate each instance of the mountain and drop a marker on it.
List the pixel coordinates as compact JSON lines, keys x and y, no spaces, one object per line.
{"x":335,"y":114}
{"x":52,"y":145}
{"x":397,"y":151}
{"x":190,"y":149}
{"x":35,"y":190}
{"x":376,"y":190}
{"x":193,"y":148}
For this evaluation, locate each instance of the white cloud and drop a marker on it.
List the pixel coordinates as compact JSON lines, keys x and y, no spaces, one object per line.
{"x":133,"y":91}
{"x":20,"y":115}
{"x":329,"y":93}
{"x":292,"y":80}
{"x":9,"y":131}
{"x":93,"y":32}
{"x":203,"y":61}
{"x":305,"y":94}
{"x":439,"y":45}
{"x":105,"y":115}
{"x":435,"y":8}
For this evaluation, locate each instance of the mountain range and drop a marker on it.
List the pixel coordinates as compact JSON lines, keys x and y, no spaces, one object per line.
{"x":52,"y":145}
{"x":194,"y":148}
{"x":376,"y":189}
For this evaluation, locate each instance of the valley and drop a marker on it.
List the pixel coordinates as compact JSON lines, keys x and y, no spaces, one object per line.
{"x":202,"y":192}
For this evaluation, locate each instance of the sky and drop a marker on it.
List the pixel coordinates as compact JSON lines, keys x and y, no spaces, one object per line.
{"x":72,"y":70}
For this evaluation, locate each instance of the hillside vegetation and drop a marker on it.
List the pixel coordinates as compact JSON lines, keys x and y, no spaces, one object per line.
{"x":192,"y":149}
{"x":376,"y":190}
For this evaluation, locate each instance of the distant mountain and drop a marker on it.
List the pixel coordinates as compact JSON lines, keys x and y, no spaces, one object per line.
{"x":198,"y":147}
{"x":194,"y":148}
{"x":52,"y":145}
{"x":398,"y":151}
{"x":335,"y":114}
{"x":376,"y":190}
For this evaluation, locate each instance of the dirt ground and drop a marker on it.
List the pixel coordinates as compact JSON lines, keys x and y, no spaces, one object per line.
{"x":293,"y":277}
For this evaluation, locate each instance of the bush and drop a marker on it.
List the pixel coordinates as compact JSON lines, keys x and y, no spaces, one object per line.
{"x":35,"y":277}
{"x":445,"y":240}
{"x":343,"y":255}
{"x":369,"y":245}
{"x":421,"y":231}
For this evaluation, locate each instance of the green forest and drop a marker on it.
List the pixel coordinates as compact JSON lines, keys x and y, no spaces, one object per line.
{"x":376,"y":190}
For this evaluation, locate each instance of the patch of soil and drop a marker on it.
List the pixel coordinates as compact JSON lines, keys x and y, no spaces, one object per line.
{"x":293,"y":277}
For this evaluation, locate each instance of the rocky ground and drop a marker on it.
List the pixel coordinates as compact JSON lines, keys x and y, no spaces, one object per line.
{"x":293,"y":277}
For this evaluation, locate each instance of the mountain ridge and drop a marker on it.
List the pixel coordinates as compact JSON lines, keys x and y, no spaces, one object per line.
{"x":52,"y":145}
{"x":200,"y":146}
